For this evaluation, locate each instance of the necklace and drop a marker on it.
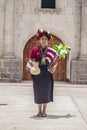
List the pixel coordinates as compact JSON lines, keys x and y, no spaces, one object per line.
{"x":43,"y":53}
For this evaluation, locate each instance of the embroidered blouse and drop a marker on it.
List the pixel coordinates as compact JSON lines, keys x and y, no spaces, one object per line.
{"x":35,"y":53}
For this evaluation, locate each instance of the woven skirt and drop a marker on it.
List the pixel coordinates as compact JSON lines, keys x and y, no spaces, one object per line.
{"x":43,"y":86}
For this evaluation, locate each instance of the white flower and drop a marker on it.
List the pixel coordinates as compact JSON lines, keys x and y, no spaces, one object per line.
{"x":41,"y":30}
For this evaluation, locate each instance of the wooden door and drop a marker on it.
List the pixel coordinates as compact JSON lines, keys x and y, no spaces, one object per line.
{"x":59,"y":74}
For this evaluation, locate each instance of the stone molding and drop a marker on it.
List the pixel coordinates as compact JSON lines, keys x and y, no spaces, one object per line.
{"x":47,"y":10}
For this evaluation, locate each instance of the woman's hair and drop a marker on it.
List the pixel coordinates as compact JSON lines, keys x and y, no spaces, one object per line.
{"x":41,"y":33}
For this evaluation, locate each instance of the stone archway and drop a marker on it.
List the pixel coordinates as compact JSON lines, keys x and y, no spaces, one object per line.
{"x":59,"y":75}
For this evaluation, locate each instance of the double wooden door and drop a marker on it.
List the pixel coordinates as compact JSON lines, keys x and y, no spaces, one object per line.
{"x":59,"y":74}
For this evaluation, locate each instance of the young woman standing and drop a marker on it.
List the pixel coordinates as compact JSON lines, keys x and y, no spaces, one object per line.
{"x":43,"y":82}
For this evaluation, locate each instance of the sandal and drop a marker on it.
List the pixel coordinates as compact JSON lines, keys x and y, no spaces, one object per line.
{"x":39,"y":114}
{"x":44,"y":115}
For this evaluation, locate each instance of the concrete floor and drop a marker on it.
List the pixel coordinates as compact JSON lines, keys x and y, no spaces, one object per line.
{"x":67,"y":112}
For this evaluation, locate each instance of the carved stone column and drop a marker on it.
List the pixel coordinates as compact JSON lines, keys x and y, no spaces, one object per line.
{"x":83,"y":51}
{"x":10,"y":67}
{"x":2,"y":15}
{"x":79,"y":65}
{"x":9,"y":14}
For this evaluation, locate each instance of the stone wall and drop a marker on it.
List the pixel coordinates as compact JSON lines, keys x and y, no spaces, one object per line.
{"x":79,"y":71}
{"x":10,"y":70}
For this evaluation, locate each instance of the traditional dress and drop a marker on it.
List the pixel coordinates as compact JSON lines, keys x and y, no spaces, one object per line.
{"x":43,"y":83}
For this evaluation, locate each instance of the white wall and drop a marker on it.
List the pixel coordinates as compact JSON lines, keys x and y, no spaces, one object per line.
{"x":65,"y":25}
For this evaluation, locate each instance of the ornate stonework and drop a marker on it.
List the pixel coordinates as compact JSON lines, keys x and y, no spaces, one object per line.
{"x":51,"y":11}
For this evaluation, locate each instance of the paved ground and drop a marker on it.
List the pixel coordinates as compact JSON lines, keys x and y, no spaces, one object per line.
{"x":67,"y":112}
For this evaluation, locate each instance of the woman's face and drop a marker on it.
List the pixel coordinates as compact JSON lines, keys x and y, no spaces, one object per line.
{"x":43,"y":41}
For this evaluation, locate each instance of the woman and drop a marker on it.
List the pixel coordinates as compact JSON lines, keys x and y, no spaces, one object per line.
{"x":43,"y":82}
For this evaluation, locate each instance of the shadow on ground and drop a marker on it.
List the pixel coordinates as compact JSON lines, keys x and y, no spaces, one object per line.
{"x":54,"y":116}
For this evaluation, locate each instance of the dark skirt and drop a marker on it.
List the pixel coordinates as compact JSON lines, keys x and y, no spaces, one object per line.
{"x":43,"y":86}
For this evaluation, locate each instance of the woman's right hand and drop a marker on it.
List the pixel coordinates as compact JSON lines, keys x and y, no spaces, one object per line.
{"x":52,"y":69}
{"x":29,"y":64}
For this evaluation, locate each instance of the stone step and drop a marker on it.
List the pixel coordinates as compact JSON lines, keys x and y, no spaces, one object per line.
{"x":56,"y":84}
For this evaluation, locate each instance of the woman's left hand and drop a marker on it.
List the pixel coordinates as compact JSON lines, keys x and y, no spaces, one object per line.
{"x":52,"y":69}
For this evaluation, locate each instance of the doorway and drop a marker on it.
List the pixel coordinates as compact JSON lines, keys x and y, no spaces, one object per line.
{"x":59,"y":74}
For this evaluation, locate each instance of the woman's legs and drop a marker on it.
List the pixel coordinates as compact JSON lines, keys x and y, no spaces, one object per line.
{"x":44,"y":107}
{"x":42,"y":112}
{"x":39,"y":108}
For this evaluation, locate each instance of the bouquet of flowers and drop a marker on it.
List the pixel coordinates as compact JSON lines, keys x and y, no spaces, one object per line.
{"x":62,"y":49}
